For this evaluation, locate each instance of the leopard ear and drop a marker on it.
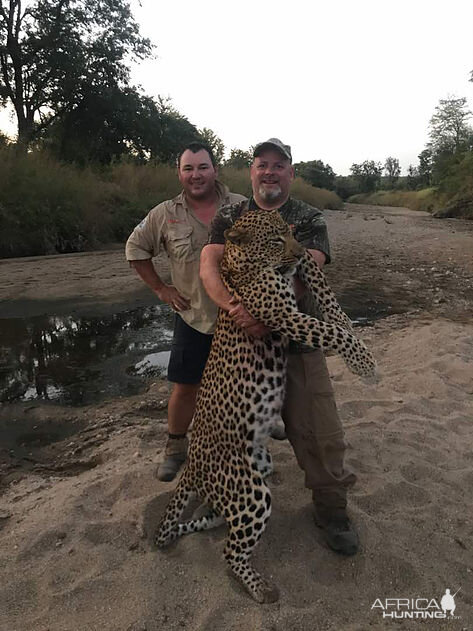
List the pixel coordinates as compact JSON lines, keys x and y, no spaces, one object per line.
{"x":238,"y":236}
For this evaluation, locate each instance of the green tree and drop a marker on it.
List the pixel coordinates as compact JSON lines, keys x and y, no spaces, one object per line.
{"x":449,"y":128}
{"x":424,"y":170}
{"x":214,"y":142}
{"x":239,"y":159}
{"x":392,"y":170}
{"x":111,"y":122}
{"x":346,"y":186}
{"x":412,"y":179}
{"x":316,"y":173}
{"x":367,"y":175}
{"x":53,"y":53}
{"x":175,"y":132}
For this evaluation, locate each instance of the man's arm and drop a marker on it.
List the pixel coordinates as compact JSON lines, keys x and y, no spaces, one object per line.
{"x":166,"y":293}
{"x":210,"y":259}
{"x":210,"y":275}
{"x":144,"y":243}
{"x":319,"y":257}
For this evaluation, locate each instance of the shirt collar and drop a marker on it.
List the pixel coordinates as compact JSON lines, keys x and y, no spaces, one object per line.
{"x":252,"y":205}
{"x":220,"y":187}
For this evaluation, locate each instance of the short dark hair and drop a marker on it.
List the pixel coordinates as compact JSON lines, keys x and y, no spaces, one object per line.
{"x":195,"y":146}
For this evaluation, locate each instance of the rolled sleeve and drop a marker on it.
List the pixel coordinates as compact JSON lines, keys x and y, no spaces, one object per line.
{"x":310,"y":228}
{"x":224,"y":219}
{"x":315,"y":236}
{"x":146,"y":239}
{"x":217,"y":229}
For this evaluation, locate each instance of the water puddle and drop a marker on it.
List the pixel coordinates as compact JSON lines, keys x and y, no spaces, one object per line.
{"x":364,"y":306}
{"x":78,"y":360}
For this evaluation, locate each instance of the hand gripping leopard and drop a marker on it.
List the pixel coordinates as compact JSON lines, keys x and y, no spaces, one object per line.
{"x":243,"y":388}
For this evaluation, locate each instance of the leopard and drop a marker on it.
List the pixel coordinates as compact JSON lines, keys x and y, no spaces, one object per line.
{"x":243,"y":386}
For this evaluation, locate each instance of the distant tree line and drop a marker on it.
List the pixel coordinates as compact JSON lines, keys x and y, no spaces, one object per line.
{"x":445,"y":162}
{"x":64,"y":68}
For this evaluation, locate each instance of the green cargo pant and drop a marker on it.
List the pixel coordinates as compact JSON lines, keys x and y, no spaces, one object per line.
{"x":314,"y":429}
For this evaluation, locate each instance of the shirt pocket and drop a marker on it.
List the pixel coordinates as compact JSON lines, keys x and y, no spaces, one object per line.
{"x":179,"y":242}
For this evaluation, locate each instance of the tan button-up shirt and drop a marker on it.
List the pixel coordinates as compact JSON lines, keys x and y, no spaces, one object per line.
{"x":172,"y":225}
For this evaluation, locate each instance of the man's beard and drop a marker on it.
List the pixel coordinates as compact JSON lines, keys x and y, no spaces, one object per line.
{"x":270,"y":195}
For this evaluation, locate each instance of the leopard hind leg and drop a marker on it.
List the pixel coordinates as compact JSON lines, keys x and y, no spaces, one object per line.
{"x":246,"y":518}
{"x":168,"y":529}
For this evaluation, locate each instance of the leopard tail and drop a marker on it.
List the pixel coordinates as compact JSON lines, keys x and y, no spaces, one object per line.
{"x":168,"y":530}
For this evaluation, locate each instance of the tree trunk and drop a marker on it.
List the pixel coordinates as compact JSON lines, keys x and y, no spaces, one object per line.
{"x":25,"y":131}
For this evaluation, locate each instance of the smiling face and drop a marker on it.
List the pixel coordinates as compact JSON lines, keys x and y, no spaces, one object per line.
{"x":271,"y":177}
{"x":197,"y":174}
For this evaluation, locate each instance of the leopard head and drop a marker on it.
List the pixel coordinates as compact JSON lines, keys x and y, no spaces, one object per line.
{"x":260,"y":238}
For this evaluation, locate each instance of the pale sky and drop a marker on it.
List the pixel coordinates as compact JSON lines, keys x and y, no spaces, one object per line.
{"x":340,"y":81}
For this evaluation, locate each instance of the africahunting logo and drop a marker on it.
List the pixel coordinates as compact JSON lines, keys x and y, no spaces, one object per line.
{"x":417,"y":608}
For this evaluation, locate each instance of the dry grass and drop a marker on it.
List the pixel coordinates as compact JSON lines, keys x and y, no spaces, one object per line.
{"x":428,"y":199}
{"x":47,"y":206}
{"x":319,"y":197}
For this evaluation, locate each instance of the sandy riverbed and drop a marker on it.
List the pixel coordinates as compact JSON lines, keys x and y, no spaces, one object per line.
{"x":76,"y":514}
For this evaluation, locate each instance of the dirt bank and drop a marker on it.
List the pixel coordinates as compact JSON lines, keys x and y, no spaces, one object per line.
{"x":377,"y":252}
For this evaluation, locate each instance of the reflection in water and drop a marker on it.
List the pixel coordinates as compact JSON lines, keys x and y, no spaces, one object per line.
{"x":152,"y":363}
{"x":78,"y":360}
{"x":83,"y":360}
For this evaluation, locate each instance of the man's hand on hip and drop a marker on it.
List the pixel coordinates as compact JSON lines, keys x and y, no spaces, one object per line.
{"x":170,"y":295}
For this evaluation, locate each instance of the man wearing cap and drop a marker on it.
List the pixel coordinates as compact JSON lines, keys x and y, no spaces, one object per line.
{"x":180,"y":226}
{"x":309,"y":412}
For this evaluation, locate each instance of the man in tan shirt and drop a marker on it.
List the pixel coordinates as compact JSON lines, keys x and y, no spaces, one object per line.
{"x":180,"y":226}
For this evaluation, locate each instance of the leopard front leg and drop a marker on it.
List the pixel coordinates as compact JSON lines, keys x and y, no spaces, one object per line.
{"x":271,"y":301}
{"x":314,"y":279}
{"x":308,"y":330}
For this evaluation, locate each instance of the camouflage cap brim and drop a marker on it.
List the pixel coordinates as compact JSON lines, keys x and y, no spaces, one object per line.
{"x":274,"y":143}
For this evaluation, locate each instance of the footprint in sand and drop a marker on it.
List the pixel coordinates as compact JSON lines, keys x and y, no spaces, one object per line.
{"x":397,"y":575}
{"x":402,"y":494}
{"x":44,"y":544}
{"x":120,"y":534}
{"x":419,"y":472}
{"x":360,"y":408}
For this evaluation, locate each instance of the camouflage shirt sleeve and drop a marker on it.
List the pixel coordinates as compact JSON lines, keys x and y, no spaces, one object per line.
{"x":309,"y":227}
{"x":224,"y":219}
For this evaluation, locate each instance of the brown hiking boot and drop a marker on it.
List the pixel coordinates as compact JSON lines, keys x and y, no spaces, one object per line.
{"x":175,"y":455}
{"x":338,"y":530}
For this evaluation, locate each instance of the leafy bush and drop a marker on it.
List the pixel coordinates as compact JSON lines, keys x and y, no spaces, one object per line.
{"x":46,"y":206}
{"x":457,"y":187}
{"x":346,"y":186}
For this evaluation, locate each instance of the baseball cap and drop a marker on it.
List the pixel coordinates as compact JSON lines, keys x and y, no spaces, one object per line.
{"x":274,"y":143}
